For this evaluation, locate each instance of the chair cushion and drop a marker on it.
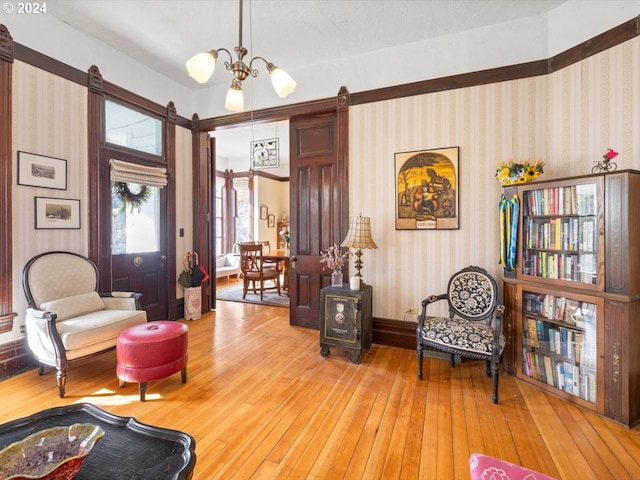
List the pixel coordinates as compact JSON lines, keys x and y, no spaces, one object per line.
{"x":267,"y":274}
{"x":97,"y":327}
{"x":74,"y":306}
{"x":468,"y":335}
{"x":472,"y":294}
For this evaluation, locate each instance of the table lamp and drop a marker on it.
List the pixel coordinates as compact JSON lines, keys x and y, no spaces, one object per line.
{"x":359,"y":238}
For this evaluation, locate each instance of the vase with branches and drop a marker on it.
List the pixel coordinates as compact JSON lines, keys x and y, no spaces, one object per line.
{"x":335,"y":258}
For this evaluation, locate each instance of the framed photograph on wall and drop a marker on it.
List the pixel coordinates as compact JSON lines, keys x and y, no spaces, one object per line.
{"x":42,"y":171}
{"x":271,"y":221}
{"x":427,"y":189}
{"x":263,"y":212}
{"x":56,"y":213}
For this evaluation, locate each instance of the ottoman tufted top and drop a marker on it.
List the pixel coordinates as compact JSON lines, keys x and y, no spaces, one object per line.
{"x":150,"y":332}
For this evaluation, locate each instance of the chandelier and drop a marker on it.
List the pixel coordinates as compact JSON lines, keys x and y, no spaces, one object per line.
{"x":202,"y":65}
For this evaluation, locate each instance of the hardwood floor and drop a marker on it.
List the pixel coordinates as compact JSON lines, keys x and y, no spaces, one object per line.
{"x":263,"y":404}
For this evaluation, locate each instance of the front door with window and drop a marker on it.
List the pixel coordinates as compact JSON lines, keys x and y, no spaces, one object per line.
{"x":133,"y":141}
{"x":137,"y":252}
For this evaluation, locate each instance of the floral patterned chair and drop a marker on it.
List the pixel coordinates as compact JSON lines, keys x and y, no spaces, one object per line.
{"x":66,"y":318}
{"x":473,"y":328}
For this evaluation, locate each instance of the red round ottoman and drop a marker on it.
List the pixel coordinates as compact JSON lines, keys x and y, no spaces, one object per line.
{"x":152,"y":351}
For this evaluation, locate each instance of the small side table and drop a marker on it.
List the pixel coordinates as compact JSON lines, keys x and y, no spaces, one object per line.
{"x":345,"y":320}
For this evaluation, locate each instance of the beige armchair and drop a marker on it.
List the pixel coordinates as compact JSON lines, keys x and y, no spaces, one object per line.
{"x":67,"y":319}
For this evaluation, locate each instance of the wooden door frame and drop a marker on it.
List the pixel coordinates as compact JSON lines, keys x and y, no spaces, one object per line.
{"x":98,"y":177}
{"x":337,"y":105}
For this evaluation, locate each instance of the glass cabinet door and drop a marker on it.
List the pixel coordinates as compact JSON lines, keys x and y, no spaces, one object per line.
{"x":560,"y":342}
{"x":561,"y":228}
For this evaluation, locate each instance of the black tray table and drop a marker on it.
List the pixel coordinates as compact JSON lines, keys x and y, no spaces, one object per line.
{"x":129,"y":450}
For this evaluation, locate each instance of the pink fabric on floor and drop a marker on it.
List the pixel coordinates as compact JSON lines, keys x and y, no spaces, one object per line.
{"x":484,"y":467}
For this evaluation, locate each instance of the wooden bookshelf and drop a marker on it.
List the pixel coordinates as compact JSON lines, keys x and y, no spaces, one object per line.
{"x":573,"y":301}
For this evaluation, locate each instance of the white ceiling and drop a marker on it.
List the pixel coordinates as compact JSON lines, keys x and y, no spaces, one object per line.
{"x":293,"y":34}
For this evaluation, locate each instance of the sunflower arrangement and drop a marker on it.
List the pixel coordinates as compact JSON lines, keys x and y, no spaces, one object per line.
{"x":517,"y":173}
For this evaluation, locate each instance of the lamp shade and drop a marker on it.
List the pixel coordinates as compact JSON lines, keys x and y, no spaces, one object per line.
{"x":235,"y":98}
{"x":359,"y":234}
{"x":282,"y":82}
{"x":201,"y":66}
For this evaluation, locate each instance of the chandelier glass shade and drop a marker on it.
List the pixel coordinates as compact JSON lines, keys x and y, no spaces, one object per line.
{"x":202,"y":65}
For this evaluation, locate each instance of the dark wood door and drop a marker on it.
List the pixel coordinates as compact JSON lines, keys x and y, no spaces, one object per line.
{"x":144,"y":273}
{"x":319,"y":211}
{"x":138,"y":243}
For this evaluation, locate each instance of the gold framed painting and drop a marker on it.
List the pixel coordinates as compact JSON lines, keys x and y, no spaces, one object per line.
{"x":427,"y":189}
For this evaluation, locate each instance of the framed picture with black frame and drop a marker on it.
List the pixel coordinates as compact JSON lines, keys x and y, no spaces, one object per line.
{"x":41,"y":171}
{"x":57,"y":213}
{"x":271,"y":221}
{"x":264,"y":211}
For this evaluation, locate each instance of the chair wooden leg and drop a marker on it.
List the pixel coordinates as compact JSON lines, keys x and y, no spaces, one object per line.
{"x":183,"y":372}
{"x":61,"y":378}
{"x":453,"y":360}
{"x":419,"y":352}
{"x":494,"y":373}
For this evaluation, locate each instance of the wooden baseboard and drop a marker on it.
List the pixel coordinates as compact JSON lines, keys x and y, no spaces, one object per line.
{"x":15,"y":357}
{"x":176,"y":309}
{"x":394,"y":333}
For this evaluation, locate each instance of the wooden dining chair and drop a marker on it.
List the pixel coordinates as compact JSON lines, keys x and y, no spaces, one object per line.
{"x":255,"y":271}
{"x":270,"y":262}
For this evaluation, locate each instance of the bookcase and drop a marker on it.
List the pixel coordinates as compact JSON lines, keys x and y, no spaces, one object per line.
{"x":572,"y":317}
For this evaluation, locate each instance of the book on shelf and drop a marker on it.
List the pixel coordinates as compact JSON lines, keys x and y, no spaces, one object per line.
{"x":531,"y":332}
{"x":568,"y":377}
{"x":559,"y":307}
{"x":543,"y":332}
{"x":549,"y":371}
{"x":559,"y":375}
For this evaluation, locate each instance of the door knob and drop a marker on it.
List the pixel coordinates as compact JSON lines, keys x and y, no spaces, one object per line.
{"x":163,"y":258}
{"x":138,"y":261}
{"x":292,"y":261}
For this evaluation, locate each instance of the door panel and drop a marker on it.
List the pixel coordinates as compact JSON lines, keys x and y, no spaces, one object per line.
{"x":144,"y":273}
{"x":317,"y":212}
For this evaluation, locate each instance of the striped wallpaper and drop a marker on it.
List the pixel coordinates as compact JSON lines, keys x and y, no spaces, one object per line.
{"x":567,"y":119}
{"x":49,"y":118}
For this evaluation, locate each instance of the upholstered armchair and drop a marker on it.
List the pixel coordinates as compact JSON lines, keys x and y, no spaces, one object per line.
{"x":67,"y":319}
{"x":473,"y":328}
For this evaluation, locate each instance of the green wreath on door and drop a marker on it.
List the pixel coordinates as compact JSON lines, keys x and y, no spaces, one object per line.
{"x":130,"y":199}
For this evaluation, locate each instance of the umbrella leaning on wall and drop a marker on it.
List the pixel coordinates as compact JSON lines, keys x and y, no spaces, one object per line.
{"x":193,"y":274}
